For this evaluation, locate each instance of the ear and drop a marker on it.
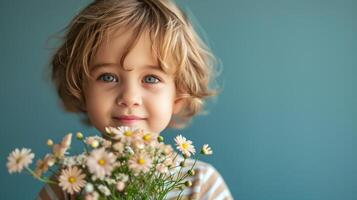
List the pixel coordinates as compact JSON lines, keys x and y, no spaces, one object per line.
{"x":178,"y":105}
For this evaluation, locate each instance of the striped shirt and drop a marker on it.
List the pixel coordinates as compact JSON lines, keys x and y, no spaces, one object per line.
{"x":207,"y":184}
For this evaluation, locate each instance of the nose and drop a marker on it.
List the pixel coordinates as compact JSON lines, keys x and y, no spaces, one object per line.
{"x":129,"y":96}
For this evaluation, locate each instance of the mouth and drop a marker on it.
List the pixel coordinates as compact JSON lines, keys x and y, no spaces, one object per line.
{"x":128,"y":119}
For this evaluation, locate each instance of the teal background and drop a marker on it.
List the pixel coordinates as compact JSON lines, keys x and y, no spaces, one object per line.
{"x":284,"y":126}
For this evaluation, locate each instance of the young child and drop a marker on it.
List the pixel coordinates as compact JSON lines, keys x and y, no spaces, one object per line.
{"x":136,"y":63}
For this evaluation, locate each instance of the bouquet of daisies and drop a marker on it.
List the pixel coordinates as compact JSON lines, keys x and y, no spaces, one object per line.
{"x":127,"y":163}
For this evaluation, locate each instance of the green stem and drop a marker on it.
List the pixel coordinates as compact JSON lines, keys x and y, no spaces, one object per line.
{"x":40,"y":178}
{"x":180,"y":195}
{"x":85,"y":146}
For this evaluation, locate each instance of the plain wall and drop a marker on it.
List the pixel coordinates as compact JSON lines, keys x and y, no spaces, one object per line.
{"x":283,"y":127}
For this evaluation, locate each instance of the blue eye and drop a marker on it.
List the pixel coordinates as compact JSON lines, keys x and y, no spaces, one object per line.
{"x":151,"y":79}
{"x":108,"y":78}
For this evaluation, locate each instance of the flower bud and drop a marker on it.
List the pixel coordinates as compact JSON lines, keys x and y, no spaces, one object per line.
{"x":182,"y":163}
{"x":188,"y":183}
{"x":49,"y":142}
{"x":160,"y":139}
{"x":51,"y":161}
{"x":66,"y":141}
{"x":95,"y":143}
{"x":120,"y":186}
{"x":191,"y":172}
{"x":79,"y":135}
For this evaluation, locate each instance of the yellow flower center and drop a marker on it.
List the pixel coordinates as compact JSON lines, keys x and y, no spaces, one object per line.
{"x":184,"y":145}
{"x":101,"y":162}
{"x":147,"y":137}
{"x":18,"y":160}
{"x":128,"y":133}
{"x":72,"y":179}
{"x":141,"y":161}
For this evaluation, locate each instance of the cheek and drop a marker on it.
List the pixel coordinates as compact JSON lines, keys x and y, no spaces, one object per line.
{"x":97,"y":107}
{"x":160,"y":109}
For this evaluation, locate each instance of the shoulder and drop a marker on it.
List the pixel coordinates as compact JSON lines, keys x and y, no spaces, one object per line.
{"x":207,"y":183}
{"x":210,"y":182}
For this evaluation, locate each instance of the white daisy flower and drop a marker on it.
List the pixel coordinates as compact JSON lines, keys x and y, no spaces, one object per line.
{"x":18,"y":159}
{"x":140,"y":163}
{"x":126,"y":134}
{"x":206,"y":150}
{"x":162,"y":168}
{"x":67,"y":140}
{"x":147,"y":137}
{"x":119,"y":147}
{"x":72,"y":180}
{"x":144,"y":139}
{"x":42,"y":165}
{"x":184,"y":146}
{"x":112,"y":132}
{"x":165,"y":149}
{"x":60,"y":149}
{"x":138,"y":144}
{"x":100,"y":163}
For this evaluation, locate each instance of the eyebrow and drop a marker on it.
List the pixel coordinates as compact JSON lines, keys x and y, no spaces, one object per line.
{"x":100,"y":65}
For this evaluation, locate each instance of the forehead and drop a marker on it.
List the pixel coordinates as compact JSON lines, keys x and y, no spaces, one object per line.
{"x":126,"y":48}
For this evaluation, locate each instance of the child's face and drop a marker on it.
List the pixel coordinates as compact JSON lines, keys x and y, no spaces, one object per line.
{"x":138,"y":95}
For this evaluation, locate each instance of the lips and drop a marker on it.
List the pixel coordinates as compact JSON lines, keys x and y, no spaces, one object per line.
{"x":128,"y":119}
